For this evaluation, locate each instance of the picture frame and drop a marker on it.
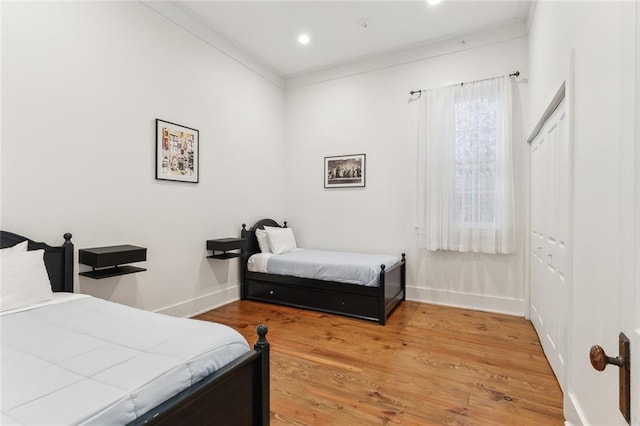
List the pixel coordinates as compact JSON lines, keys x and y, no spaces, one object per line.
{"x":345,"y":171}
{"x":177,"y":152}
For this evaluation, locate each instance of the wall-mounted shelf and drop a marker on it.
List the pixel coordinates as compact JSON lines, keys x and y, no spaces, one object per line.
{"x":225,"y":245}
{"x":110,"y":258}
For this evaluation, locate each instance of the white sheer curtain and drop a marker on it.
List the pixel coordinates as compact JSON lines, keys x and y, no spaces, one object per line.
{"x":465,"y":168}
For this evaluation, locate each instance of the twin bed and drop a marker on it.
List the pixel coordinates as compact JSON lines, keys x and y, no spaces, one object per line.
{"x":362,"y":286}
{"x":75,"y":359}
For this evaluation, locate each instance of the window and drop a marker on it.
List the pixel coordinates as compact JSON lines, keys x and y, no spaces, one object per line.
{"x":475,"y":160}
{"x":466,"y":170}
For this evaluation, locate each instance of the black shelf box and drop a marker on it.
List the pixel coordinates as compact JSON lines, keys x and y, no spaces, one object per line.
{"x":100,"y":257}
{"x":225,"y":244}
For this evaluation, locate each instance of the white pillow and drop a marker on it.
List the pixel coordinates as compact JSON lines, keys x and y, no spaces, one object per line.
{"x":18,"y":248}
{"x":281,"y":240}
{"x":24,"y":280}
{"x":263,"y":240}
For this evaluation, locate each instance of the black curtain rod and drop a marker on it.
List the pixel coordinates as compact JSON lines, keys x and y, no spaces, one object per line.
{"x":512,"y":75}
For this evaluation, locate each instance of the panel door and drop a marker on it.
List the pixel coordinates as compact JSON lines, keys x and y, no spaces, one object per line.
{"x":550,"y":236}
{"x":537,"y":236}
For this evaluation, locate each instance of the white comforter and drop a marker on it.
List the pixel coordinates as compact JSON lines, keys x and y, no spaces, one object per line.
{"x":344,"y":267}
{"x":85,"y":360}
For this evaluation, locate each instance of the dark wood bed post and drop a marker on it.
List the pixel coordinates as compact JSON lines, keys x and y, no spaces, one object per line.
{"x":382,"y":303}
{"x":68,"y":263}
{"x":403,"y":277}
{"x":243,"y":261}
{"x":264,"y":407}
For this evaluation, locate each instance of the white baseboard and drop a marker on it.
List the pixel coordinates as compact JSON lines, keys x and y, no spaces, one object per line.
{"x":202,"y":304}
{"x":480,"y":302}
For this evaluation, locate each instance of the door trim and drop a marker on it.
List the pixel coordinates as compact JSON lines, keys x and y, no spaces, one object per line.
{"x":553,"y":105}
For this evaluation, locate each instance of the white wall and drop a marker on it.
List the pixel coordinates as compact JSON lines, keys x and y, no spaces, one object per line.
{"x":83,"y":83}
{"x":596,"y":30}
{"x":370,"y":111}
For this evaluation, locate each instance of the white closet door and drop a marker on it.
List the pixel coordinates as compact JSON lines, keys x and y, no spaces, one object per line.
{"x":550,"y":233}
{"x":537,"y":236}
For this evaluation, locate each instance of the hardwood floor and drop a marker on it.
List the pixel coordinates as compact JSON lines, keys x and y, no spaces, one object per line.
{"x":430,"y":365}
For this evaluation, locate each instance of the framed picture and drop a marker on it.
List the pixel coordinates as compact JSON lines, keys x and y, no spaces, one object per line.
{"x":177,"y":152}
{"x":345,"y":171}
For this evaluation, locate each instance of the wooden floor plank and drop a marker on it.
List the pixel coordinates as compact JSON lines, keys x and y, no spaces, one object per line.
{"x":430,"y":365}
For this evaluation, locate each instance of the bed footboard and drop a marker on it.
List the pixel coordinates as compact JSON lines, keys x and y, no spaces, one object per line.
{"x":392,"y":289}
{"x":237,"y":394}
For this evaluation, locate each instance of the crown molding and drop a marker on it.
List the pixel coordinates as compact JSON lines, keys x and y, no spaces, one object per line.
{"x":531,"y":12}
{"x":181,"y":16}
{"x":413,"y":54}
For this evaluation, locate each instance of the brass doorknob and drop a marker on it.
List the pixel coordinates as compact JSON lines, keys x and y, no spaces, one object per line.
{"x":600,"y":360}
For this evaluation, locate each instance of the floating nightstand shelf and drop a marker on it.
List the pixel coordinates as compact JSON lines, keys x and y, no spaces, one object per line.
{"x":225,"y":245}
{"x":110,"y":258}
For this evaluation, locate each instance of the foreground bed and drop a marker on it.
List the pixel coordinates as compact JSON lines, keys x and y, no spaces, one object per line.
{"x":40,"y":386}
{"x":373,"y":302}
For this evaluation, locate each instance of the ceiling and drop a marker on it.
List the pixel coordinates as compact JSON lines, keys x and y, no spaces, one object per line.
{"x":344,"y":31}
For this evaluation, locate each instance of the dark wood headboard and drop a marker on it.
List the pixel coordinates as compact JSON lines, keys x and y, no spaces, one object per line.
{"x":251,"y":245}
{"x":57,"y":259}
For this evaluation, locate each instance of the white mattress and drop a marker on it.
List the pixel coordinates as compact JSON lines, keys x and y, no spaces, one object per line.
{"x":89,"y":361}
{"x":345,"y":267}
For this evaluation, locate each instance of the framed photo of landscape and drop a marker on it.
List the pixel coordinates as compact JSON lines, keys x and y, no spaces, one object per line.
{"x":345,"y":171}
{"x":177,"y":152}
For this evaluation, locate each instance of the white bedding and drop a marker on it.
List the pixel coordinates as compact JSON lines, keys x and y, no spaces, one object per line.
{"x":344,"y":267}
{"x":258,"y":262}
{"x":83,"y":360}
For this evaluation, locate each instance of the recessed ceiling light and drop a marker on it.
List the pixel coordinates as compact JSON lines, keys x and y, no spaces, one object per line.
{"x":433,"y":2}
{"x":303,"y":39}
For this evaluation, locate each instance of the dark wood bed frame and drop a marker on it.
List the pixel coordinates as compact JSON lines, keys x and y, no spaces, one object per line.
{"x":358,"y":301}
{"x":237,"y":394}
